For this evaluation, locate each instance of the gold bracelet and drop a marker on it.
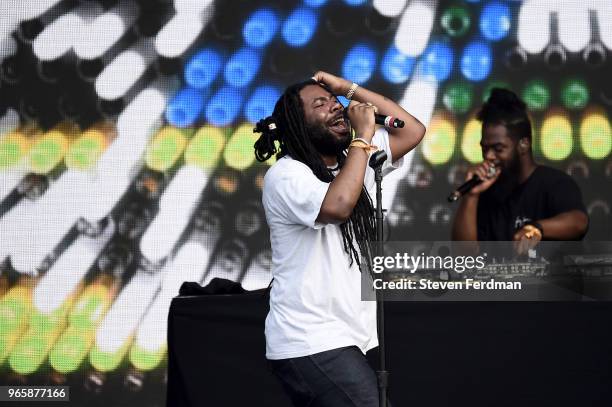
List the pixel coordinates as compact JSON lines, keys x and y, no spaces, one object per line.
{"x":362,"y":140}
{"x":362,"y":143}
{"x":351,"y":91}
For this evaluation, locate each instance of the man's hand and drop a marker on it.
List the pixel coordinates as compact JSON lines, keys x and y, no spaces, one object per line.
{"x":361,"y":116}
{"x":482,"y":170}
{"x":526,"y":239}
{"x":338,"y":86}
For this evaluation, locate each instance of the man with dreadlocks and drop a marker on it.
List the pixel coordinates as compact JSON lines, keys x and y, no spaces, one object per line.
{"x":321,"y":221}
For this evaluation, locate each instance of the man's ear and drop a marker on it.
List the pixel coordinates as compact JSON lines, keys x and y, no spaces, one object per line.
{"x":524,"y":145}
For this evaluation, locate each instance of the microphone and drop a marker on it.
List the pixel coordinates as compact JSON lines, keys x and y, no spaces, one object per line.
{"x":469,"y":184}
{"x":389,"y":122}
{"x":377,"y":159}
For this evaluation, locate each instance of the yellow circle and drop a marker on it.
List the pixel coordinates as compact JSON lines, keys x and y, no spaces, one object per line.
{"x":439,"y":142}
{"x":205,"y":147}
{"x":470,"y":142}
{"x":239,"y":152}
{"x":595,"y":136}
{"x":556,"y":137}
{"x":165,"y":148}
{"x":47,"y":152}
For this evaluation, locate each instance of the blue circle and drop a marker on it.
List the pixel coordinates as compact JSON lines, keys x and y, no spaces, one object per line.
{"x":260,"y":28}
{"x":242,"y":67}
{"x":396,"y":66}
{"x":224,"y":106}
{"x":495,"y":21}
{"x":359,"y":63}
{"x":299,"y":27}
{"x":203,"y":68}
{"x":185,"y":107}
{"x":261,"y":103}
{"x":437,"y":61}
{"x":476,"y":61}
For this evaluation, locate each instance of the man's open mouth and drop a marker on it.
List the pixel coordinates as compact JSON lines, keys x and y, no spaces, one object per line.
{"x":338,"y":124}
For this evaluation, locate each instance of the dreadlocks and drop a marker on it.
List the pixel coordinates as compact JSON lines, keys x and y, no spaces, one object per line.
{"x":287,"y":127}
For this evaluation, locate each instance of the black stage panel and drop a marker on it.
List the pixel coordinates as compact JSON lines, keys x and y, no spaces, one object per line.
{"x":439,"y":354}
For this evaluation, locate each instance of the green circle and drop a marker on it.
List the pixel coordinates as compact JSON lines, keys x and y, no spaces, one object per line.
{"x":87,"y":311}
{"x":575,"y":94}
{"x":166,"y":148}
{"x":29,"y":353}
{"x":45,"y":155}
{"x":84,"y":152}
{"x":69,"y":351}
{"x":456,"y":21}
{"x":458,"y":97}
{"x":536,"y":95}
{"x":104,"y":361}
{"x":205,"y":147}
{"x":238,"y":153}
{"x":144,"y":359}
{"x":10,"y":153}
{"x":163,"y":153}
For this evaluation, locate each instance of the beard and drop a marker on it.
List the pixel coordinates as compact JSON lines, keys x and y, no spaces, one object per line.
{"x":511,"y":169}
{"x":325,"y":142}
{"x":509,"y":178}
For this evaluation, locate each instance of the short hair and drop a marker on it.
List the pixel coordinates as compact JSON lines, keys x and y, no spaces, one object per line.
{"x":504,"y":107}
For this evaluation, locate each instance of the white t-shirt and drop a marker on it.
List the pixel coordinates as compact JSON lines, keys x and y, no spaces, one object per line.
{"x":315,"y":301}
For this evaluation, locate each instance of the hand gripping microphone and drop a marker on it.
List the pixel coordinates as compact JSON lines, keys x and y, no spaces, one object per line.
{"x":389,"y":122}
{"x":469,"y":184}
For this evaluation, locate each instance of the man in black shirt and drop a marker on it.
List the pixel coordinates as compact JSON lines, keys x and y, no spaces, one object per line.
{"x":518,"y":199}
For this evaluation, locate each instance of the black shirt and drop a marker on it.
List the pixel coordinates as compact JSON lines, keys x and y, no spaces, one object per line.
{"x":546,"y":193}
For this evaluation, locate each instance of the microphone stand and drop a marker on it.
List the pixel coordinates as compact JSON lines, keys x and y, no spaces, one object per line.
{"x":376,"y":161}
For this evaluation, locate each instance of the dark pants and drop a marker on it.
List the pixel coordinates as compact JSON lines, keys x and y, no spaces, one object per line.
{"x":339,"y":377}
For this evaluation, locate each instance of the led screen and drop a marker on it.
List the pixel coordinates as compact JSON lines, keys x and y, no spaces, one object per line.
{"x":126,"y":148}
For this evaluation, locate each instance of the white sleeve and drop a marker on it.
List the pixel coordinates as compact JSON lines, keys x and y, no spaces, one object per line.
{"x":381,"y":140}
{"x":295,"y":196}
